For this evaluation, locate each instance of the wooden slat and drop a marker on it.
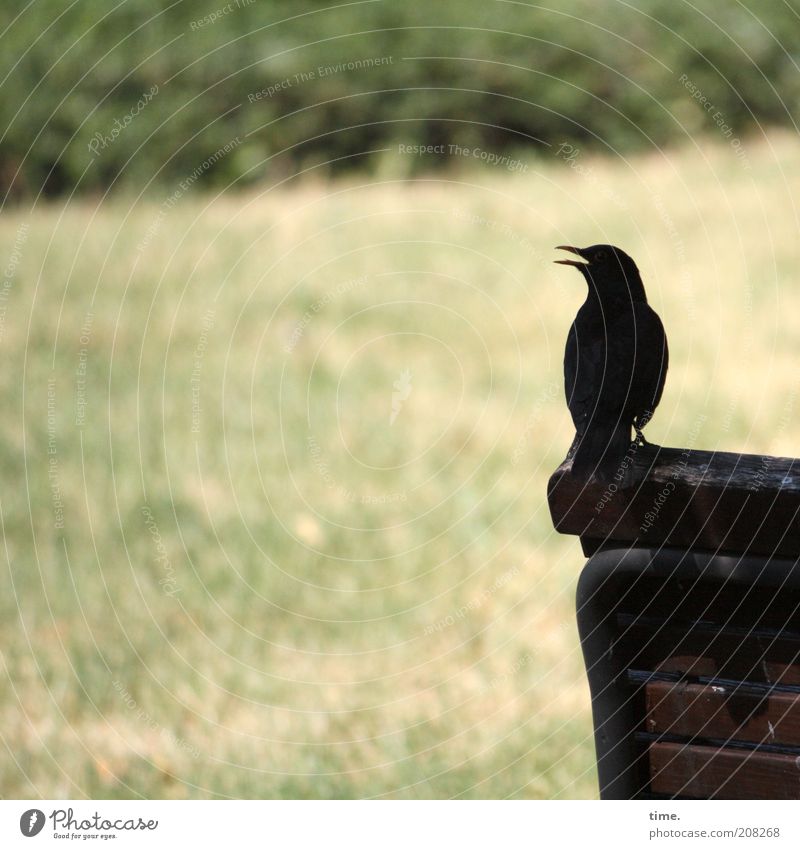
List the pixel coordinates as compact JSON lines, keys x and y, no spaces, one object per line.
{"x":716,"y":501}
{"x":690,"y":665}
{"x":702,"y":772}
{"x":718,"y":712}
{"x":768,"y":671}
{"x":640,"y":677}
{"x":767,"y":660}
{"x":697,"y":625}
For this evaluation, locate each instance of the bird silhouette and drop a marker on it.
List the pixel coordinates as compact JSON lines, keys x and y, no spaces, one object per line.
{"x":615,"y":362}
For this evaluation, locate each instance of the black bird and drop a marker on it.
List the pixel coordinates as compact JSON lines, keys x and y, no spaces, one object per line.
{"x":615,"y":362}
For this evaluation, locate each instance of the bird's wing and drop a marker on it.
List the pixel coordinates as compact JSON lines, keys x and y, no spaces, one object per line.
{"x":652,"y":359}
{"x":599,"y":402}
{"x":615,"y":367}
{"x":610,"y":368}
{"x":615,"y":372}
{"x":583,"y":363}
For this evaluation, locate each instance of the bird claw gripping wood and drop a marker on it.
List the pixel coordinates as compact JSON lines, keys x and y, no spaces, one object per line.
{"x":639,"y":425}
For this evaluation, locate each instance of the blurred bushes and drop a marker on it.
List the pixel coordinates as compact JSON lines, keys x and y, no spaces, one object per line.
{"x":272,"y":81}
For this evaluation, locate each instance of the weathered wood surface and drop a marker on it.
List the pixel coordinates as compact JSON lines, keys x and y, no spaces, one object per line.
{"x":721,"y":502}
{"x":778,"y":671}
{"x":695,"y":710}
{"x":733,"y":654}
{"x":702,"y":772}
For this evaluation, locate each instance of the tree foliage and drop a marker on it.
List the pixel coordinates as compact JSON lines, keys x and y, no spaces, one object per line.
{"x":288,"y":86}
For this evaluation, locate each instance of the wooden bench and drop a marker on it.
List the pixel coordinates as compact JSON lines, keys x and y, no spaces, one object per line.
{"x":689,"y":617}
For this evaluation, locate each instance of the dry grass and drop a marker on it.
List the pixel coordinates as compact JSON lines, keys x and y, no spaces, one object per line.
{"x":345,"y":606}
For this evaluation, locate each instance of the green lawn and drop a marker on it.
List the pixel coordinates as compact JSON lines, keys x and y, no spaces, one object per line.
{"x":274,"y":467}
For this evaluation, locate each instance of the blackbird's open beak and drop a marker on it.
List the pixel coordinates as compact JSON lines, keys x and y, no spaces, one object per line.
{"x":570,"y":261}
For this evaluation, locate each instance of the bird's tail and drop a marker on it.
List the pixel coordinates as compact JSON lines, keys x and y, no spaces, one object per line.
{"x":600,"y":452}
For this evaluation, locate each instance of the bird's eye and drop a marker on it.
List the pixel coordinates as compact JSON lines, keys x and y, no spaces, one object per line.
{"x":600,"y":256}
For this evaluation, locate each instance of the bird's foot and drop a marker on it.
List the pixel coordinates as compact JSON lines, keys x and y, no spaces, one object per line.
{"x":640,"y":440}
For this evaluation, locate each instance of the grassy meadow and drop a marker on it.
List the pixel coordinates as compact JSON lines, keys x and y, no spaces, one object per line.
{"x":274,"y":466}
